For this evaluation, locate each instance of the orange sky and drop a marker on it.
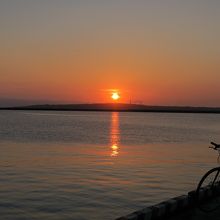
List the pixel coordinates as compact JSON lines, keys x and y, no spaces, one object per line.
{"x":157,"y":53}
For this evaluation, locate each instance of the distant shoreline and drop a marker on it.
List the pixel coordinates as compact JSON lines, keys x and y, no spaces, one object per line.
{"x":120,"y":107}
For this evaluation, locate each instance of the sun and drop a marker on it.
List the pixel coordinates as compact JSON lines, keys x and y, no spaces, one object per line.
{"x":115,"y":96}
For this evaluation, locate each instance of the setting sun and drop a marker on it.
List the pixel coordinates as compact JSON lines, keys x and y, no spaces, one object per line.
{"x":115,"y":96}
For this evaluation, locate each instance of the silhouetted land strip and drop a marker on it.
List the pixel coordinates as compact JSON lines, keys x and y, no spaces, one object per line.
{"x":117,"y":107}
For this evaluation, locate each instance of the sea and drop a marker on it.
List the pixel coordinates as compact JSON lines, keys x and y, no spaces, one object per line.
{"x":58,"y":165}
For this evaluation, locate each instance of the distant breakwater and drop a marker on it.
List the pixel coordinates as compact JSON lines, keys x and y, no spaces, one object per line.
{"x":120,"y":107}
{"x":175,"y":208}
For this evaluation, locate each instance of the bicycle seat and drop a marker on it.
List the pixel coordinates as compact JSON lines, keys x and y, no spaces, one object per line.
{"x":216,"y":146}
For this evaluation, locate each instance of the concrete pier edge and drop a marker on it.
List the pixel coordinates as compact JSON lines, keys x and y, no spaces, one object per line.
{"x":174,"y":206}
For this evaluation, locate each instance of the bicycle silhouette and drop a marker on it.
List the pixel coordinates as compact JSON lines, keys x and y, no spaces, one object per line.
{"x":209,"y":185}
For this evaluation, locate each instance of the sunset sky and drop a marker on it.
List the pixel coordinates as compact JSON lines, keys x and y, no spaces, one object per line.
{"x":156,"y":52}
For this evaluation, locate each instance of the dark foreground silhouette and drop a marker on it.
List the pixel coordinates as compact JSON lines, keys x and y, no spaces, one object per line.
{"x":117,"y":107}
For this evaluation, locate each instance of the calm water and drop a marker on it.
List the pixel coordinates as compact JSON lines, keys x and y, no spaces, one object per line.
{"x":99,"y":165}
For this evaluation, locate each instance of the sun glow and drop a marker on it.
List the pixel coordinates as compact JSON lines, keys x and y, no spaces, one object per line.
{"x":115,"y":96}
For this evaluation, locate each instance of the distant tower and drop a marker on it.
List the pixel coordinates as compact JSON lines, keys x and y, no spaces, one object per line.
{"x":130,"y":100}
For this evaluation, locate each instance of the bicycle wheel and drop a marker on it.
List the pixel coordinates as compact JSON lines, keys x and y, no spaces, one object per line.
{"x":209,"y":181}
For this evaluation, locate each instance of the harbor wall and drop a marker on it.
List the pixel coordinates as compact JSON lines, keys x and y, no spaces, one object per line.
{"x":175,"y":208}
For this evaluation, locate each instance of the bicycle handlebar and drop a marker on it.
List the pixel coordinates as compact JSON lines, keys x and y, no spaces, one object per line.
{"x":216,"y":146}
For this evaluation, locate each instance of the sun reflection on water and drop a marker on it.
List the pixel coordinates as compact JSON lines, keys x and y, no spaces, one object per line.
{"x":114,"y":134}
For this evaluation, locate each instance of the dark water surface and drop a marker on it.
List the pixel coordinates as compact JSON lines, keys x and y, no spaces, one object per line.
{"x":99,"y":165}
